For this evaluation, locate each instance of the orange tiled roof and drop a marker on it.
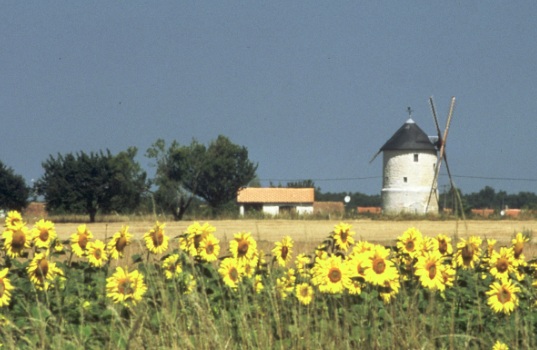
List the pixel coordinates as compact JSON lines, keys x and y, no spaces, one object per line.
{"x":275,"y":195}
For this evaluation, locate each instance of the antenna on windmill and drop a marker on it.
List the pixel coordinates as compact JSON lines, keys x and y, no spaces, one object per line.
{"x":441,"y":147}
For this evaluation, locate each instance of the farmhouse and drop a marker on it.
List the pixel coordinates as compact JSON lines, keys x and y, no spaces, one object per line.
{"x":274,"y":201}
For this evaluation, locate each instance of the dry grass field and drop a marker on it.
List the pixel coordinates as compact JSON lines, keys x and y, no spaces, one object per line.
{"x":307,"y":234}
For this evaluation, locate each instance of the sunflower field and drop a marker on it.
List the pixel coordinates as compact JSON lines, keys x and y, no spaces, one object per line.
{"x":189,"y":291}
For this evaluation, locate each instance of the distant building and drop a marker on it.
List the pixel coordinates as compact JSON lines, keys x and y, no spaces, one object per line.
{"x":275,"y":201}
{"x":409,"y":162}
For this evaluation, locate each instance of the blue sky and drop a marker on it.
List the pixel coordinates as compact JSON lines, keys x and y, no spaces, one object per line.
{"x":312,"y":89}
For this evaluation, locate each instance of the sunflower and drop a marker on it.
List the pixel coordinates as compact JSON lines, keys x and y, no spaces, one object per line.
{"x":125,"y":287}
{"x":410,"y":242}
{"x":80,"y":239}
{"x":378,"y":268}
{"x":502,"y":296}
{"x":321,"y":251}
{"x":258,"y":284}
{"x":189,"y":283}
{"x":172,"y":266}
{"x":43,"y":233}
{"x":468,"y":252}
{"x":5,"y":288}
{"x":17,"y":238}
{"x":156,"y":240}
{"x":331,"y":275}
{"x":120,"y":240}
{"x":42,"y":272}
{"x":362,"y":247}
{"x":302,"y":262}
{"x":14,"y":219}
{"x":342,"y":236}
{"x":193,"y":236}
{"x":444,"y":244}
{"x":231,"y":271}
{"x":243,"y":246}
{"x":304,"y":293}
{"x":249,"y":267}
{"x":96,"y":253}
{"x":500,"y":346}
{"x":285,"y":285}
{"x":502,"y":263}
{"x":209,"y":248}
{"x":283,"y":251}
{"x":428,"y":269}
{"x":356,"y":263}
{"x":448,"y":275}
{"x":518,"y":248}
{"x":389,"y":290}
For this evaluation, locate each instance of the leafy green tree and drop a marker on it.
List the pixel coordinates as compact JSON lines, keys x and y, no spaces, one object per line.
{"x":177,"y":170}
{"x":13,"y":190}
{"x":92,"y":183}
{"x":225,"y":170}
{"x":214,"y":173}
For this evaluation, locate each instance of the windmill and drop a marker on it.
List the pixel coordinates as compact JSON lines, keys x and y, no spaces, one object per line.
{"x":441,"y":147}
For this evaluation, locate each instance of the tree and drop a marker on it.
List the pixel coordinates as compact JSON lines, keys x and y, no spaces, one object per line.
{"x":225,"y":170}
{"x":91,"y":183}
{"x":177,"y":171}
{"x":214,"y":173}
{"x":13,"y":190}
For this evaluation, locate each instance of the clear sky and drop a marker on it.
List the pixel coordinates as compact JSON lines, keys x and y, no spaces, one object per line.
{"x":312,"y":89}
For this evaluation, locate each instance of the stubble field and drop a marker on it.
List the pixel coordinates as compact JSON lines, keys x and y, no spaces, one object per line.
{"x":309,"y":233}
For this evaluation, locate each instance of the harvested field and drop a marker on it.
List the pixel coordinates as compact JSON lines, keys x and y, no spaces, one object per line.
{"x":309,"y":233}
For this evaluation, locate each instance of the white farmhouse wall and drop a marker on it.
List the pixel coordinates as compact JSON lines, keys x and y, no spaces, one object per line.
{"x":304,"y":209}
{"x":271,"y":209}
{"x":407,"y":180}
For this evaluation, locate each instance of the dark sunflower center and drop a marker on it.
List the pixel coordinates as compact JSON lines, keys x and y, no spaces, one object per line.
{"x":502,"y":265}
{"x":504,"y":296}
{"x":43,"y":235}
{"x":121,"y":244}
{"x":409,"y":246}
{"x":432,"y":271}
{"x":125,"y":286}
{"x":2,"y":288}
{"x":234,"y":274}
{"x":442,"y":246}
{"x":344,"y":235}
{"x":82,"y":240}
{"x":243,"y":248}
{"x":158,"y":238}
{"x":19,"y":238}
{"x":518,"y":248}
{"x":285,"y":251}
{"x":334,"y":275}
{"x":304,"y":291}
{"x":467,"y":254}
{"x":379,"y":265}
{"x":97,"y":254}
{"x":209,"y":249}
{"x":42,"y":269}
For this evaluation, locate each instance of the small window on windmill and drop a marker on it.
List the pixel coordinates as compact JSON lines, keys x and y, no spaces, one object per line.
{"x":415,"y":157}
{"x":405,"y":179}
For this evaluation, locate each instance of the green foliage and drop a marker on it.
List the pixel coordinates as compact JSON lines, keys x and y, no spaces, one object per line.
{"x":213,"y":173}
{"x":13,"y":190}
{"x":92,"y":183}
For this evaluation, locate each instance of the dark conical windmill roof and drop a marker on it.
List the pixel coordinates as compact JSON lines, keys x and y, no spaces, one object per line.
{"x":409,"y":137}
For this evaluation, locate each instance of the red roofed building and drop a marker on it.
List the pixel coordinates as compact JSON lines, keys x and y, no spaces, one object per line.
{"x":276,"y":200}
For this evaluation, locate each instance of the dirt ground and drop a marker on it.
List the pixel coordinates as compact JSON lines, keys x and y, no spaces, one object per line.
{"x":317,"y":230}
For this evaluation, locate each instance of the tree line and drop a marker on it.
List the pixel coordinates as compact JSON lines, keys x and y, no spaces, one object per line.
{"x":187,"y":177}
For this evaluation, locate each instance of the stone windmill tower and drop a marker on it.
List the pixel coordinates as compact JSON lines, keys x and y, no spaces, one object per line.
{"x":411,"y":163}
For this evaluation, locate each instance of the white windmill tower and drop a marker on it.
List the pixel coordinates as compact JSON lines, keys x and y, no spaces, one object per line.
{"x":411,"y":164}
